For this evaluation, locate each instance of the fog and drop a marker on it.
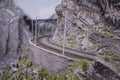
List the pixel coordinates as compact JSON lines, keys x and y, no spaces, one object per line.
{"x":40,"y":8}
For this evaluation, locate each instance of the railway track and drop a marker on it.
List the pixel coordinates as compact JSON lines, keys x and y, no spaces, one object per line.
{"x":58,"y":51}
{"x":48,"y":39}
{"x":47,"y":44}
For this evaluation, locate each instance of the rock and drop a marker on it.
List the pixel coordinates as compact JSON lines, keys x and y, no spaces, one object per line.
{"x":1,"y":72}
{"x":13,"y":30}
{"x":80,"y":74}
{"x":14,"y":69}
{"x":77,"y":23}
{"x":11,"y":64}
{"x":99,"y":70}
{"x":2,"y":63}
{"x":35,"y":72}
{"x":111,"y":12}
{"x":104,"y":70}
{"x":92,"y":26}
{"x":85,"y":18}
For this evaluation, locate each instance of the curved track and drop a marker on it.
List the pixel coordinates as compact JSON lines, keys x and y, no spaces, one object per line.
{"x":46,"y":43}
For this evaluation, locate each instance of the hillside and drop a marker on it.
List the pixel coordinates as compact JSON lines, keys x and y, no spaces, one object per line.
{"x":92,"y":25}
{"x":13,"y":31}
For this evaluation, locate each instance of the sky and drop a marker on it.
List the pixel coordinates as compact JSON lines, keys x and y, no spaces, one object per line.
{"x":38,"y":8}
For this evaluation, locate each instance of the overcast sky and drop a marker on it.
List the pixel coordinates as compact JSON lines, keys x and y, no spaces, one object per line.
{"x":41,"y":8}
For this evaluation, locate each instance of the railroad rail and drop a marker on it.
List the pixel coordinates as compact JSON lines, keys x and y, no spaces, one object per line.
{"x":57,"y":51}
{"x":47,"y":45}
{"x":44,"y":43}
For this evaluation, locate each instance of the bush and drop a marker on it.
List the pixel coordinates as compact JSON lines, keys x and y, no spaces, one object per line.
{"x":82,"y":64}
{"x":107,"y":59}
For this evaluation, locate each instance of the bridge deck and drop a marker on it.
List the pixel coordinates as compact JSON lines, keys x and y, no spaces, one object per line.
{"x":44,"y":20}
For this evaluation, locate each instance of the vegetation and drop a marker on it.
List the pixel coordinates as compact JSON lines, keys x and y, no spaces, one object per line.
{"x":86,"y":78}
{"x":25,"y":70}
{"x":107,"y":59}
{"x":82,"y":64}
{"x":108,"y":32}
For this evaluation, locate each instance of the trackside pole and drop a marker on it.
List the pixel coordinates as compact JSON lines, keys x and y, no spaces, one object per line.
{"x":46,"y":29}
{"x":64,"y":39}
{"x":52,"y":30}
{"x":38,"y":27}
{"x":32,"y":28}
{"x":36,"y":30}
{"x":87,"y":47}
